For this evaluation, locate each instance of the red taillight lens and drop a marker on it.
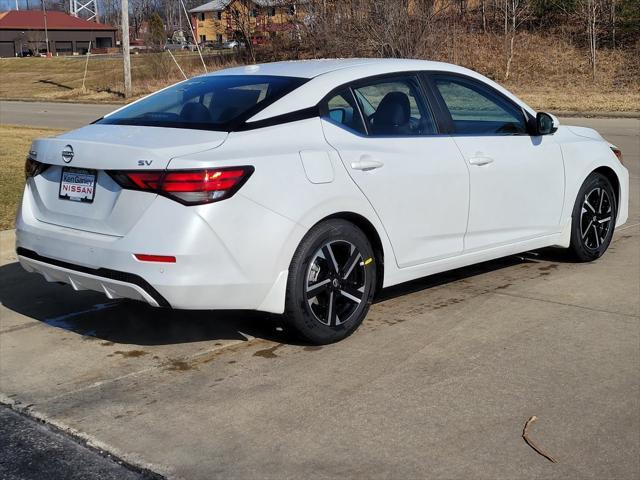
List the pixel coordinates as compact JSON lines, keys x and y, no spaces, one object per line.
{"x":617,"y":152}
{"x":190,"y":187}
{"x":144,"y":180}
{"x":33,"y":168}
{"x":144,"y":257}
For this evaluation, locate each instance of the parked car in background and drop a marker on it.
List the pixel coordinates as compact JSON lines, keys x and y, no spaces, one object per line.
{"x":233,"y":45}
{"x":259,"y":40}
{"x":180,"y":46}
{"x":209,"y":45}
{"x":25,"y":52}
{"x":302,"y":188}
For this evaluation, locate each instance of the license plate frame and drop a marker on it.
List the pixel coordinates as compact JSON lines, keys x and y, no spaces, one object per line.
{"x":89,"y":176}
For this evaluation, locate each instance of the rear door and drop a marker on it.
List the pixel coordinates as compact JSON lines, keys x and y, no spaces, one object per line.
{"x":415,"y":178}
{"x":517,"y":180}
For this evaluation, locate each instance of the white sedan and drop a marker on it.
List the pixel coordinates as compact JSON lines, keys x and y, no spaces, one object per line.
{"x":302,"y":188}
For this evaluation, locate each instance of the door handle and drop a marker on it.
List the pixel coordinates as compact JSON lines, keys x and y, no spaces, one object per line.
{"x":365,"y":164}
{"x":479,"y":159}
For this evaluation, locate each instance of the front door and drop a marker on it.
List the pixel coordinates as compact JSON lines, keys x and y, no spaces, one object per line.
{"x":516,"y":180}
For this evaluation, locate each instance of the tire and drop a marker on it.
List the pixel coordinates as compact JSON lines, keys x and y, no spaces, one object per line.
{"x":327,"y":300}
{"x":593,"y":218}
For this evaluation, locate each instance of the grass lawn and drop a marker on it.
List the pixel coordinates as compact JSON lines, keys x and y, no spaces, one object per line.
{"x":562,"y":81}
{"x":60,"y":78}
{"x":14,"y":145}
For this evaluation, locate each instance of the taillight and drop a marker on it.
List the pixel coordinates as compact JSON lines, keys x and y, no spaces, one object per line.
{"x":190,"y":187}
{"x":145,"y":257}
{"x":33,"y":167}
{"x":617,"y":152}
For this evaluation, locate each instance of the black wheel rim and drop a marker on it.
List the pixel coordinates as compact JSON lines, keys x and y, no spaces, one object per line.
{"x":596,"y":218}
{"x":335,"y":282}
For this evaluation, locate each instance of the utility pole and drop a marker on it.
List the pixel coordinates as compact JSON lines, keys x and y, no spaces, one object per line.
{"x":125,"y":48}
{"x":46,"y":30}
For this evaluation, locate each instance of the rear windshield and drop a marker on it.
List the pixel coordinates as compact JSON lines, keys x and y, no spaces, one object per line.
{"x":217,"y":102}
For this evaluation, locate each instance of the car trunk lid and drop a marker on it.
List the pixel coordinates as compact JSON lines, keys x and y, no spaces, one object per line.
{"x":92,"y":152}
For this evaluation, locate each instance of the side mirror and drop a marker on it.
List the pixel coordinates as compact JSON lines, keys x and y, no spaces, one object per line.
{"x":546,"y":123}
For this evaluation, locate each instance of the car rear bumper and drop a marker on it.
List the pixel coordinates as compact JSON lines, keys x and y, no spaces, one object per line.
{"x":112,"y":283}
{"x":218,"y":264}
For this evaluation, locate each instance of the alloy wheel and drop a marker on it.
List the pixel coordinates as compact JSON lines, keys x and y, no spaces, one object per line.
{"x":335,"y":282}
{"x":595,"y":218}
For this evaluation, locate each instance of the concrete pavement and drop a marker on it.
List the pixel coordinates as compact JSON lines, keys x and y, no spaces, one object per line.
{"x":438,"y":382}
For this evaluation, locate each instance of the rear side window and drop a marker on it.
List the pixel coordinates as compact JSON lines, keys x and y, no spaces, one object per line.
{"x":477,"y":109}
{"x":394,"y":107}
{"x":216,"y":102}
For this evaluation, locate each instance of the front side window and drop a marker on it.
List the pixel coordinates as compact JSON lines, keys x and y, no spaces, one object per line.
{"x":394,"y":107}
{"x":342,"y":110}
{"x":478,"y":110}
{"x":215,"y":102}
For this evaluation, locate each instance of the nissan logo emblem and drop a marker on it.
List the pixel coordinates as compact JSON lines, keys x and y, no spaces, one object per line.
{"x":67,"y":154}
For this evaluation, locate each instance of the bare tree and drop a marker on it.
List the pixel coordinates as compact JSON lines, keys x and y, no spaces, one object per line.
{"x":515,"y":12}
{"x":243,"y":15}
{"x":483,"y":16}
{"x":590,"y":11}
{"x":612,"y":22}
{"x":36,"y":40}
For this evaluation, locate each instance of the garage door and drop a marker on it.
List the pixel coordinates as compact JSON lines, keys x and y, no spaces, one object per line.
{"x":82,"y":47}
{"x":103,"y":42}
{"x":7,"y":49}
{"x":64,"y":48}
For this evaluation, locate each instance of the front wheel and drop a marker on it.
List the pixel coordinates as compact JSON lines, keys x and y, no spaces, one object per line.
{"x":331,"y":283}
{"x":593,"y":219}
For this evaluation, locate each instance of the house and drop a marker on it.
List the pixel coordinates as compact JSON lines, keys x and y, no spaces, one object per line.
{"x":24,"y":30}
{"x":222,"y":20}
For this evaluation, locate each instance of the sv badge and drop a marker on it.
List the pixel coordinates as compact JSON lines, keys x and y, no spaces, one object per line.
{"x":145,"y":163}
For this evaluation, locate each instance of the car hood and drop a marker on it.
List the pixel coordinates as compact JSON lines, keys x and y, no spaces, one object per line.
{"x":125,"y":147}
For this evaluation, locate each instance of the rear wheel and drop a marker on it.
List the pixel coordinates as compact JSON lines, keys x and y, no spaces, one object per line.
{"x":593,"y":219}
{"x":331,"y":282}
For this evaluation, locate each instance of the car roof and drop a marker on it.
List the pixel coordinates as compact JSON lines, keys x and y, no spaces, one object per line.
{"x":326,"y":74}
{"x":313,"y":68}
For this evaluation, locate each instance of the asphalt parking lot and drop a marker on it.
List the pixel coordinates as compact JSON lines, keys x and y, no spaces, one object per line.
{"x":437,"y":383}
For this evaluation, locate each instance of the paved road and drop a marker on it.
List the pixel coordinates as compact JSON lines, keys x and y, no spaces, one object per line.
{"x":52,"y":115}
{"x":438,"y":383}
{"x":31,"y":450}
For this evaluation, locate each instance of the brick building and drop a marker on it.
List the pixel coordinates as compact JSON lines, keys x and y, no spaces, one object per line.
{"x":25,"y":30}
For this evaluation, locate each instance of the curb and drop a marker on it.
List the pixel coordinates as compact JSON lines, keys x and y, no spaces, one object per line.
{"x":81,"y":439}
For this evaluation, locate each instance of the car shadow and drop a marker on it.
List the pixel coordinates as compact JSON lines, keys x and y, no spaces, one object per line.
{"x":91,"y":314}
{"x":549,"y":254}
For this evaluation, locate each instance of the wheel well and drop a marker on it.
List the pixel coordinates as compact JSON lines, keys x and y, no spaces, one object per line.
{"x":372,"y":234}
{"x":613,"y":178}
